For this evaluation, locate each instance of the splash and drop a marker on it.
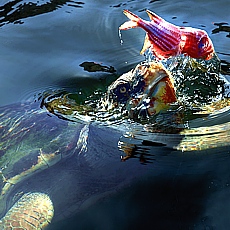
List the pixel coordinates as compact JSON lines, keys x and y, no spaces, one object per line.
{"x":83,"y":138}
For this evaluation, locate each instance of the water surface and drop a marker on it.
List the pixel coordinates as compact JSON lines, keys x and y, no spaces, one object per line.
{"x":42,"y":47}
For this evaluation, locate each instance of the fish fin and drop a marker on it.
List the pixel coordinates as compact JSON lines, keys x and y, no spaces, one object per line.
{"x":153,"y":16}
{"x":128,"y":25}
{"x":131,"y":16}
{"x":146,"y":45}
{"x":133,"y":23}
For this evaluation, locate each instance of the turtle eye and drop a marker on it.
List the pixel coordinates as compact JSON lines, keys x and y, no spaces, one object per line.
{"x":121,"y":92}
{"x":123,"y":89}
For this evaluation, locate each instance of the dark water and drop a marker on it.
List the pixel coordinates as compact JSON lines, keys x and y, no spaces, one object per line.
{"x":43,"y":45}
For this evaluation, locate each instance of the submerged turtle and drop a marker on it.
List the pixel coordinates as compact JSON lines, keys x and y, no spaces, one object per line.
{"x":32,"y":142}
{"x":142,"y":106}
{"x":51,"y":166}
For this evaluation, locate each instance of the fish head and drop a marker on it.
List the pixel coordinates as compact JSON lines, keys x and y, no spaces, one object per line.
{"x":205,"y":47}
{"x":144,"y":91}
{"x":196,"y":43}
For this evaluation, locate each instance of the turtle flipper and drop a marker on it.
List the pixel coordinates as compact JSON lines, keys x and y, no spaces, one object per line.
{"x":32,"y":211}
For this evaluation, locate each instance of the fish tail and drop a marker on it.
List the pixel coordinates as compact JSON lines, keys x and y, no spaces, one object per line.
{"x":133,"y":23}
{"x":154,"y":17}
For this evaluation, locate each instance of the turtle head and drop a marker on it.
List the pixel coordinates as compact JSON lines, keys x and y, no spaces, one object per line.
{"x":144,"y":91}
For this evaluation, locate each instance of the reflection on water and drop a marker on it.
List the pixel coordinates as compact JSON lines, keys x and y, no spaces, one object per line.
{"x":223,"y":27}
{"x":94,"y":67}
{"x":225,"y":67}
{"x":14,"y":11}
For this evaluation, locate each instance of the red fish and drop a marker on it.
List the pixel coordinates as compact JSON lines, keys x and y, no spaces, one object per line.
{"x":166,"y":40}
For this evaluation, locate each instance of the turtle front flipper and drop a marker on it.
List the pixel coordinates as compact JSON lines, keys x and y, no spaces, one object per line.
{"x":32,"y":211}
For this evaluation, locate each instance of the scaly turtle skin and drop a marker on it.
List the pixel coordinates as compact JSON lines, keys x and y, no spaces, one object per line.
{"x":32,"y":142}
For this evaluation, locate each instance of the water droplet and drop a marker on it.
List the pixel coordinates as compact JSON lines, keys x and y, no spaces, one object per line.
{"x":119,"y":33}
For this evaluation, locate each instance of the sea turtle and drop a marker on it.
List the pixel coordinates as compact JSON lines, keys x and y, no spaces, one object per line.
{"x":46,"y":159}
{"x":164,"y":97}
{"x":32,"y":142}
{"x":141,"y":105}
